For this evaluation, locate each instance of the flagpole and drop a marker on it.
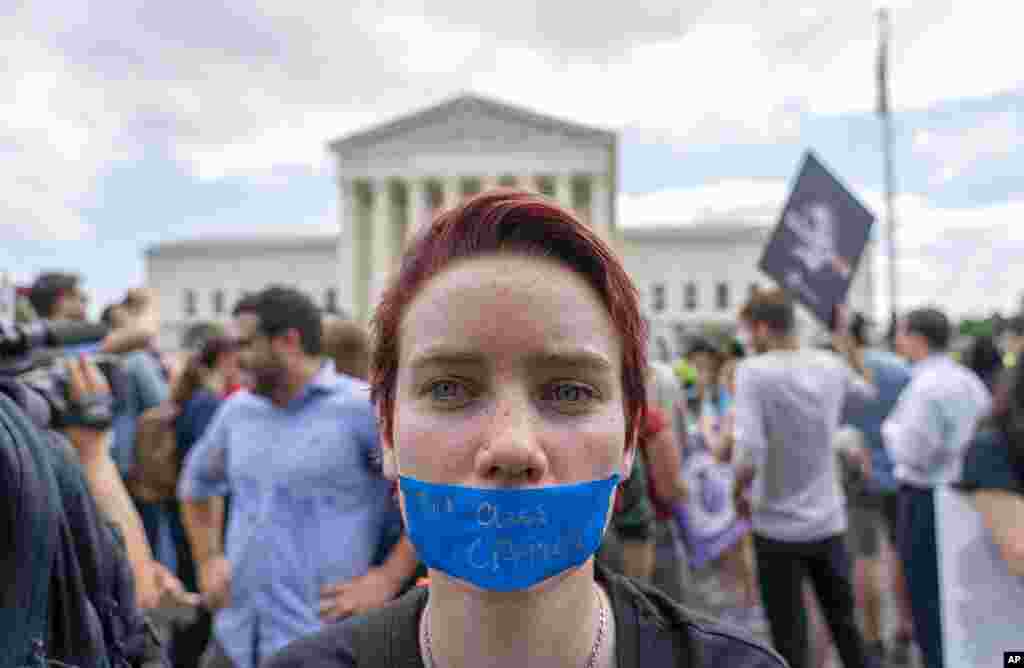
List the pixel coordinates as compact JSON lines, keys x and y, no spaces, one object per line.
{"x":886,"y":118}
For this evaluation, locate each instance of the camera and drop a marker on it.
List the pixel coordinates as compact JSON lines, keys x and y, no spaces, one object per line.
{"x":34,"y":354}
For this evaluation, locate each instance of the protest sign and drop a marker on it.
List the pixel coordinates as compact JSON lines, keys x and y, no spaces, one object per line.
{"x":819,"y":240}
{"x":708,"y":521}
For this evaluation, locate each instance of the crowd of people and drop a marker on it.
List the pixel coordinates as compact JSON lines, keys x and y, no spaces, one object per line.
{"x":494,"y":473}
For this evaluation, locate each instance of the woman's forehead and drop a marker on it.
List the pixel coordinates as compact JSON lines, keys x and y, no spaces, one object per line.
{"x":500,"y":303}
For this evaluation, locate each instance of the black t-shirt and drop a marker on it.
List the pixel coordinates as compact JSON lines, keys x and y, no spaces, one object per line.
{"x":650,"y":630}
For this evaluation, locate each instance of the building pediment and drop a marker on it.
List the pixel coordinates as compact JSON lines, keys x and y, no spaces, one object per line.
{"x":469,"y":124}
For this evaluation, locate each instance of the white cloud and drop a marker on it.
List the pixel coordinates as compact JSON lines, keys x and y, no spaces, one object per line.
{"x":966,"y":53}
{"x":244,"y":88}
{"x":965,"y":259}
{"x":953,"y":152}
{"x":54,"y":138}
{"x":249,"y":86}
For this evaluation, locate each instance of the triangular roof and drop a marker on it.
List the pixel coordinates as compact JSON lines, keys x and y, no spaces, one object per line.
{"x":470,"y":103}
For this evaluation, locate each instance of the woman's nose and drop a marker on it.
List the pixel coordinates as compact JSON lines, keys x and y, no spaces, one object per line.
{"x":511,"y":453}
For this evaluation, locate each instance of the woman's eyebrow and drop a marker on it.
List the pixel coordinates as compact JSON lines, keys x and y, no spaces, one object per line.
{"x":576,"y":359}
{"x":444,"y":356}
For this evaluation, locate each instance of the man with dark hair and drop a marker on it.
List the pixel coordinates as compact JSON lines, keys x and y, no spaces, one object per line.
{"x":926,"y":436}
{"x":58,"y":296}
{"x":788,"y":402}
{"x":299,"y":455}
{"x":929,"y":324}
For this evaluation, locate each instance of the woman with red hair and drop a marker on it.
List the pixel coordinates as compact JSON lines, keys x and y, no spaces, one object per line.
{"x":508,"y":375}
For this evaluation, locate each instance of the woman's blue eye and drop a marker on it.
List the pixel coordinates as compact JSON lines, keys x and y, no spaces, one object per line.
{"x":444,"y":390}
{"x":571,"y":392}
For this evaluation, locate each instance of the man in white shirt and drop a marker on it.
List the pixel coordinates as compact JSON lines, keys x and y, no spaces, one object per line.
{"x":788,"y":404}
{"x":926,"y":436}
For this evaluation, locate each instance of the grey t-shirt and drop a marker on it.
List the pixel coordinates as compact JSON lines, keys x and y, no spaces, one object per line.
{"x":788,"y":405}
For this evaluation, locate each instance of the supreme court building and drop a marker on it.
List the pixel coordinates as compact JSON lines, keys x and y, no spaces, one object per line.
{"x":395,"y":177}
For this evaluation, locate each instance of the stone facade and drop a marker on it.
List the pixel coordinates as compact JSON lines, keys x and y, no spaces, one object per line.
{"x":690,"y":277}
{"x":200,"y":281}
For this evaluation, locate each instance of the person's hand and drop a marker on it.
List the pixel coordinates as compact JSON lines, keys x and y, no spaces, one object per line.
{"x":741,"y":492}
{"x":841,"y":320}
{"x":742,"y":502}
{"x":860,"y":458}
{"x":358,"y":595}
{"x":138,"y":298}
{"x":86,"y":385}
{"x":215,"y":582}
{"x":164,"y":590}
{"x":682,"y":490}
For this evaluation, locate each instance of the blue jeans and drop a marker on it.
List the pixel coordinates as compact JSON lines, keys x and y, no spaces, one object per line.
{"x":920,"y":555}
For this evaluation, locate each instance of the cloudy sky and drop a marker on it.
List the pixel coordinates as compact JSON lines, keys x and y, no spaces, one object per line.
{"x":126,"y":123}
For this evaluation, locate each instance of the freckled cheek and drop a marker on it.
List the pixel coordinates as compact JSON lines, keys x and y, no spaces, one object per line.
{"x":433,"y":448}
{"x":585,"y":453}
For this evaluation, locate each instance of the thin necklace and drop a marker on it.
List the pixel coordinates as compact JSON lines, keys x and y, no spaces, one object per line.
{"x":594,"y":651}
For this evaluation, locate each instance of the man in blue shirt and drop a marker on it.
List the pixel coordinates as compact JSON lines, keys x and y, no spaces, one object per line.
{"x":872,"y":501}
{"x":298,"y":453}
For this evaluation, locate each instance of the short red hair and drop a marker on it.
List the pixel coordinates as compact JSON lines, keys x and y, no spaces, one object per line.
{"x":506,"y":220}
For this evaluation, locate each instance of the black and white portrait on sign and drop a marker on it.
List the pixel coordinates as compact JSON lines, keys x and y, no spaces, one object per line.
{"x":818,"y":243}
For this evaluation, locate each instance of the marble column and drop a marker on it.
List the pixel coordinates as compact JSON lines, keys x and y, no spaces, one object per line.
{"x":488,"y":182}
{"x":382,"y":238}
{"x":600,"y":206}
{"x":451,"y":191}
{"x":348,"y":239}
{"x":563,"y":190}
{"x":419,"y":207}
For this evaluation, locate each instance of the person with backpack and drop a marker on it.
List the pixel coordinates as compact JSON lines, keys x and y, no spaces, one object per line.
{"x":69,"y":595}
{"x":509,"y":380}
